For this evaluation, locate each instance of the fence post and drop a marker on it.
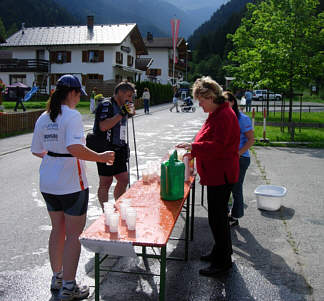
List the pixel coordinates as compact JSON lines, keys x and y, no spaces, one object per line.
{"x":264,"y":126}
{"x":253,"y":117}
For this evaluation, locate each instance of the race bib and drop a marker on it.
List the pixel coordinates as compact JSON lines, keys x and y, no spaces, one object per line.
{"x":123,"y":133}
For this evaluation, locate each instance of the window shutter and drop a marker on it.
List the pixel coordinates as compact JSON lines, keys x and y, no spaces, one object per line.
{"x":101,"y":55}
{"x":85,"y":56}
{"x":100,"y":76}
{"x":158,"y":72}
{"x":68,"y":56}
{"x":83,"y":76}
{"x":52,"y":79}
{"x":52,"y":56}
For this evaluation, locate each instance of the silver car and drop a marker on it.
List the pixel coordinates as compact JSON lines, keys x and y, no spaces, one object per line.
{"x":263,"y":95}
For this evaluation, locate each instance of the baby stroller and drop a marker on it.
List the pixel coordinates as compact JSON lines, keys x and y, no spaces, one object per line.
{"x":187,"y":105}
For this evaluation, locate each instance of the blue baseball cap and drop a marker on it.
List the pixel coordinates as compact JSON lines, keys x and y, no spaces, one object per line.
{"x":70,"y":81}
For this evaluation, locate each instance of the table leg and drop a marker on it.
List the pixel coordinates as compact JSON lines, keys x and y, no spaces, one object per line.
{"x":202,"y":195}
{"x":193,"y":199}
{"x":97,"y":276}
{"x":162,"y":273}
{"x":187,"y":227}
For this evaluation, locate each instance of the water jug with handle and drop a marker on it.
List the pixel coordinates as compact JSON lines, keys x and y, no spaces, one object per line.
{"x":172,"y":178}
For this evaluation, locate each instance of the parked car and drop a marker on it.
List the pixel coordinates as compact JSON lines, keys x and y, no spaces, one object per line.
{"x":262,"y":95}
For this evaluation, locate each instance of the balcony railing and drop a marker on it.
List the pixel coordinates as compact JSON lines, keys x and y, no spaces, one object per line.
{"x":24,"y":65}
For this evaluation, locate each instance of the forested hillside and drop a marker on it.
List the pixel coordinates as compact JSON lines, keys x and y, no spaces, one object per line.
{"x":33,"y":13}
{"x":218,"y":19}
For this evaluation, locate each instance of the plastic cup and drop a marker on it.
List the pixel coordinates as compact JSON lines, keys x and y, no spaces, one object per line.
{"x":108,"y":205}
{"x":114,"y":222}
{"x":131,"y":218}
{"x":108,"y":213}
{"x":123,"y":207}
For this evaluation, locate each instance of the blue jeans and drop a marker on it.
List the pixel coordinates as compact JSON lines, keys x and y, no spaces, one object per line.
{"x":146,"y":106}
{"x":248,"y":105}
{"x":237,"y":190}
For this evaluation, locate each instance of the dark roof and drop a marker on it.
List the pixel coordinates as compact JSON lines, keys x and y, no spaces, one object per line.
{"x":161,"y":42}
{"x":109,"y":34}
{"x":143,"y":63}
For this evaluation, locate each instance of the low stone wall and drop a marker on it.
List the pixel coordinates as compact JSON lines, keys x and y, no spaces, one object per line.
{"x":18,"y":122}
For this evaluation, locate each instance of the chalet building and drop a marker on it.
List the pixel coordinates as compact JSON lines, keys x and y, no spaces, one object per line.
{"x":40,"y":55}
{"x":160,"y":49}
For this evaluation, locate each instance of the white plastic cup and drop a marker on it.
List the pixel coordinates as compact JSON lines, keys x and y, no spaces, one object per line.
{"x":187,"y":168}
{"x":108,"y":213}
{"x":131,"y":218}
{"x":114,"y":222}
{"x":123,"y":207}
{"x":108,"y":205}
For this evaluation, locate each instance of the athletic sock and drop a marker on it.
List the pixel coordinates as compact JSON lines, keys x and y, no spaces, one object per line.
{"x":69,"y":284}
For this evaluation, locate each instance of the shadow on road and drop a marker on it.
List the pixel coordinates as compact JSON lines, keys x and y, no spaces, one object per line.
{"x":272,"y":266}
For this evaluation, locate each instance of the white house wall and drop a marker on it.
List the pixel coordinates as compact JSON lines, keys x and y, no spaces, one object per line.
{"x":160,"y":61}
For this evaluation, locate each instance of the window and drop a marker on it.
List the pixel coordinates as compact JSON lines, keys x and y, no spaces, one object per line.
{"x":92,"y":56}
{"x":40,"y":54}
{"x":60,"y":57}
{"x":119,"y":58}
{"x":17,"y":78}
{"x":153,"y":72}
{"x":130,"y":60}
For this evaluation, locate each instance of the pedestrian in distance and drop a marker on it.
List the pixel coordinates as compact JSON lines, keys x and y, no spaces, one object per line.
{"x":58,"y":139}
{"x":19,"y":98}
{"x":92,"y":100}
{"x":146,"y":97}
{"x":175,"y":99}
{"x":248,"y":96}
{"x":110,"y":133}
{"x":246,"y":141}
{"x":216,"y":151}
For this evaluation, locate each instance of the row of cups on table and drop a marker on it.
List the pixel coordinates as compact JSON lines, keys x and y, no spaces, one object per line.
{"x":126,"y":213}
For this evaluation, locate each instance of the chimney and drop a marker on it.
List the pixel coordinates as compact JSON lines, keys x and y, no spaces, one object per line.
{"x":23,"y":28}
{"x":149,"y":36}
{"x":90,"y":20}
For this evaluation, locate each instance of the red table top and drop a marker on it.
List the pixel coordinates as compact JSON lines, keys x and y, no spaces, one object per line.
{"x":155,"y":217}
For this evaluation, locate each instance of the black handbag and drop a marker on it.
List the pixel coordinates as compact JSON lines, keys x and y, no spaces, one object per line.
{"x":96,"y":143}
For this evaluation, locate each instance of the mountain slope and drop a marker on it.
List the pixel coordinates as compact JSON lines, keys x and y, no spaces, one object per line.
{"x":34,"y":13}
{"x":218,"y":19}
{"x":153,"y":16}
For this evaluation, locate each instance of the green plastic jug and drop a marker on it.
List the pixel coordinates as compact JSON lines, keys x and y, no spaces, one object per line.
{"x":172,"y":178}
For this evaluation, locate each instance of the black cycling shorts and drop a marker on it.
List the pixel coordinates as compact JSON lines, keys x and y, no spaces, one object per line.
{"x":119,"y":166}
{"x":75,"y":204}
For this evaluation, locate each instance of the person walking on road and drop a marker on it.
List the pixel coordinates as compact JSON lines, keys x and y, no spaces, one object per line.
{"x":175,"y":99}
{"x":110,"y":133}
{"x":248,"y":96}
{"x":216,"y":151}
{"x":146,"y":96}
{"x":58,"y":139}
{"x":246,"y":141}
{"x":19,"y":98}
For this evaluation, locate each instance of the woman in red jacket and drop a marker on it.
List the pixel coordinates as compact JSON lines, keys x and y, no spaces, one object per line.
{"x":216,"y":151}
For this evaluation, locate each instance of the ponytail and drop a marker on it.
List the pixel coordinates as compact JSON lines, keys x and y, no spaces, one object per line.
{"x":230,"y":97}
{"x":54,"y":104}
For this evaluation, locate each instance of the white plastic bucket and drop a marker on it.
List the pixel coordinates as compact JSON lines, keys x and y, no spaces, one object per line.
{"x":269,"y":197}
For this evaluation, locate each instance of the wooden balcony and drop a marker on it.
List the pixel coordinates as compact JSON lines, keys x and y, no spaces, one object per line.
{"x":24,"y":65}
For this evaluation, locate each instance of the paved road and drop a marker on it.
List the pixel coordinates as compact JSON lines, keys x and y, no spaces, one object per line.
{"x":277,"y":255}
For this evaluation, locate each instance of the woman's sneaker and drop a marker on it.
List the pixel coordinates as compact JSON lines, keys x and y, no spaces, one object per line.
{"x":76,"y":293}
{"x":56,"y":283}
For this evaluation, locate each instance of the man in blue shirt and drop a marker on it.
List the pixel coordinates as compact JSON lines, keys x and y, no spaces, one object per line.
{"x":248,"y":96}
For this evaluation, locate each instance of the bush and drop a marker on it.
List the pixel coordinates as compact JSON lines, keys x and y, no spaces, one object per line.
{"x":159,"y":93}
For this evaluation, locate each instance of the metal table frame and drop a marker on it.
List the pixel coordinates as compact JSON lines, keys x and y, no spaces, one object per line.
{"x":162,"y":257}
